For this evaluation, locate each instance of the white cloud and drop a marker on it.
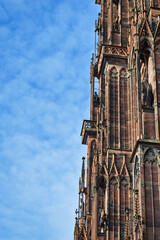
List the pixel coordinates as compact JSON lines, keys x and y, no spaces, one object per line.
{"x":44,"y":96}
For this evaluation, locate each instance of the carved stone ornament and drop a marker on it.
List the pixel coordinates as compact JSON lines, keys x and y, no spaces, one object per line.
{"x":116,"y":25}
{"x":102,"y":220}
{"x":137,"y":168}
{"x":96,"y":99}
{"x":147,"y":95}
{"x":136,"y":172}
{"x":143,"y":148}
{"x":102,"y":182}
{"x":150,"y":156}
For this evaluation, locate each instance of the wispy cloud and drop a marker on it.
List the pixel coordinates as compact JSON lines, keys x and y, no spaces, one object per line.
{"x":44,"y":95}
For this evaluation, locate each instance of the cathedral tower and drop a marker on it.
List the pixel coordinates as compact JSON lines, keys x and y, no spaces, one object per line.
{"x":121,"y":198}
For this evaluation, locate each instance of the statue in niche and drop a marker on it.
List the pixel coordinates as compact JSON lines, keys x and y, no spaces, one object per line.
{"x":146,"y":88}
{"x":116,"y":24}
{"x":99,"y":22}
{"x":96,"y":100}
{"x":102,"y":221}
{"x":116,"y":20}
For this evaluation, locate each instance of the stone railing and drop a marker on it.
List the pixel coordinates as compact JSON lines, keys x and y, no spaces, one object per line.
{"x":90,"y":124}
{"x":115,"y":50}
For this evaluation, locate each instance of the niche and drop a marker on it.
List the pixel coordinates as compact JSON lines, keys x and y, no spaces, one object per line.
{"x":116,"y":20}
{"x":146,"y":87}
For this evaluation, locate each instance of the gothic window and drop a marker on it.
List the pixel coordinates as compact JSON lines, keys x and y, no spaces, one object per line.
{"x":124,"y":204}
{"x":91,"y":176}
{"x":93,"y":150}
{"x":101,"y":196}
{"x":124,"y":113}
{"x":113,"y":107}
{"x":133,"y":95}
{"x":113,"y":207}
{"x":151,"y":192}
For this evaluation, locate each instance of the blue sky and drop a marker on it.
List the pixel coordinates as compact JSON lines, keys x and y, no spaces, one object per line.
{"x":45,"y":52}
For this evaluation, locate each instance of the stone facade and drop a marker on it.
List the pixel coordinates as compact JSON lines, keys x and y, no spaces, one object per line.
{"x":121,"y":196}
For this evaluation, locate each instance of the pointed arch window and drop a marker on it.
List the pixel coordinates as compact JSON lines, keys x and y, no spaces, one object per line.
{"x":113,"y":207}
{"x":124,"y":110}
{"x":113,"y":107}
{"x":151,"y":180}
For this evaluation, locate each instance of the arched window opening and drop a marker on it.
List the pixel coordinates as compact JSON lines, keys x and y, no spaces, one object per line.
{"x":151,"y":192}
{"x":113,"y":107}
{"x":96,"y":92}
{"x":113,"y":207}
{"x":124,"y":204}
{"x":124,"y":113}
